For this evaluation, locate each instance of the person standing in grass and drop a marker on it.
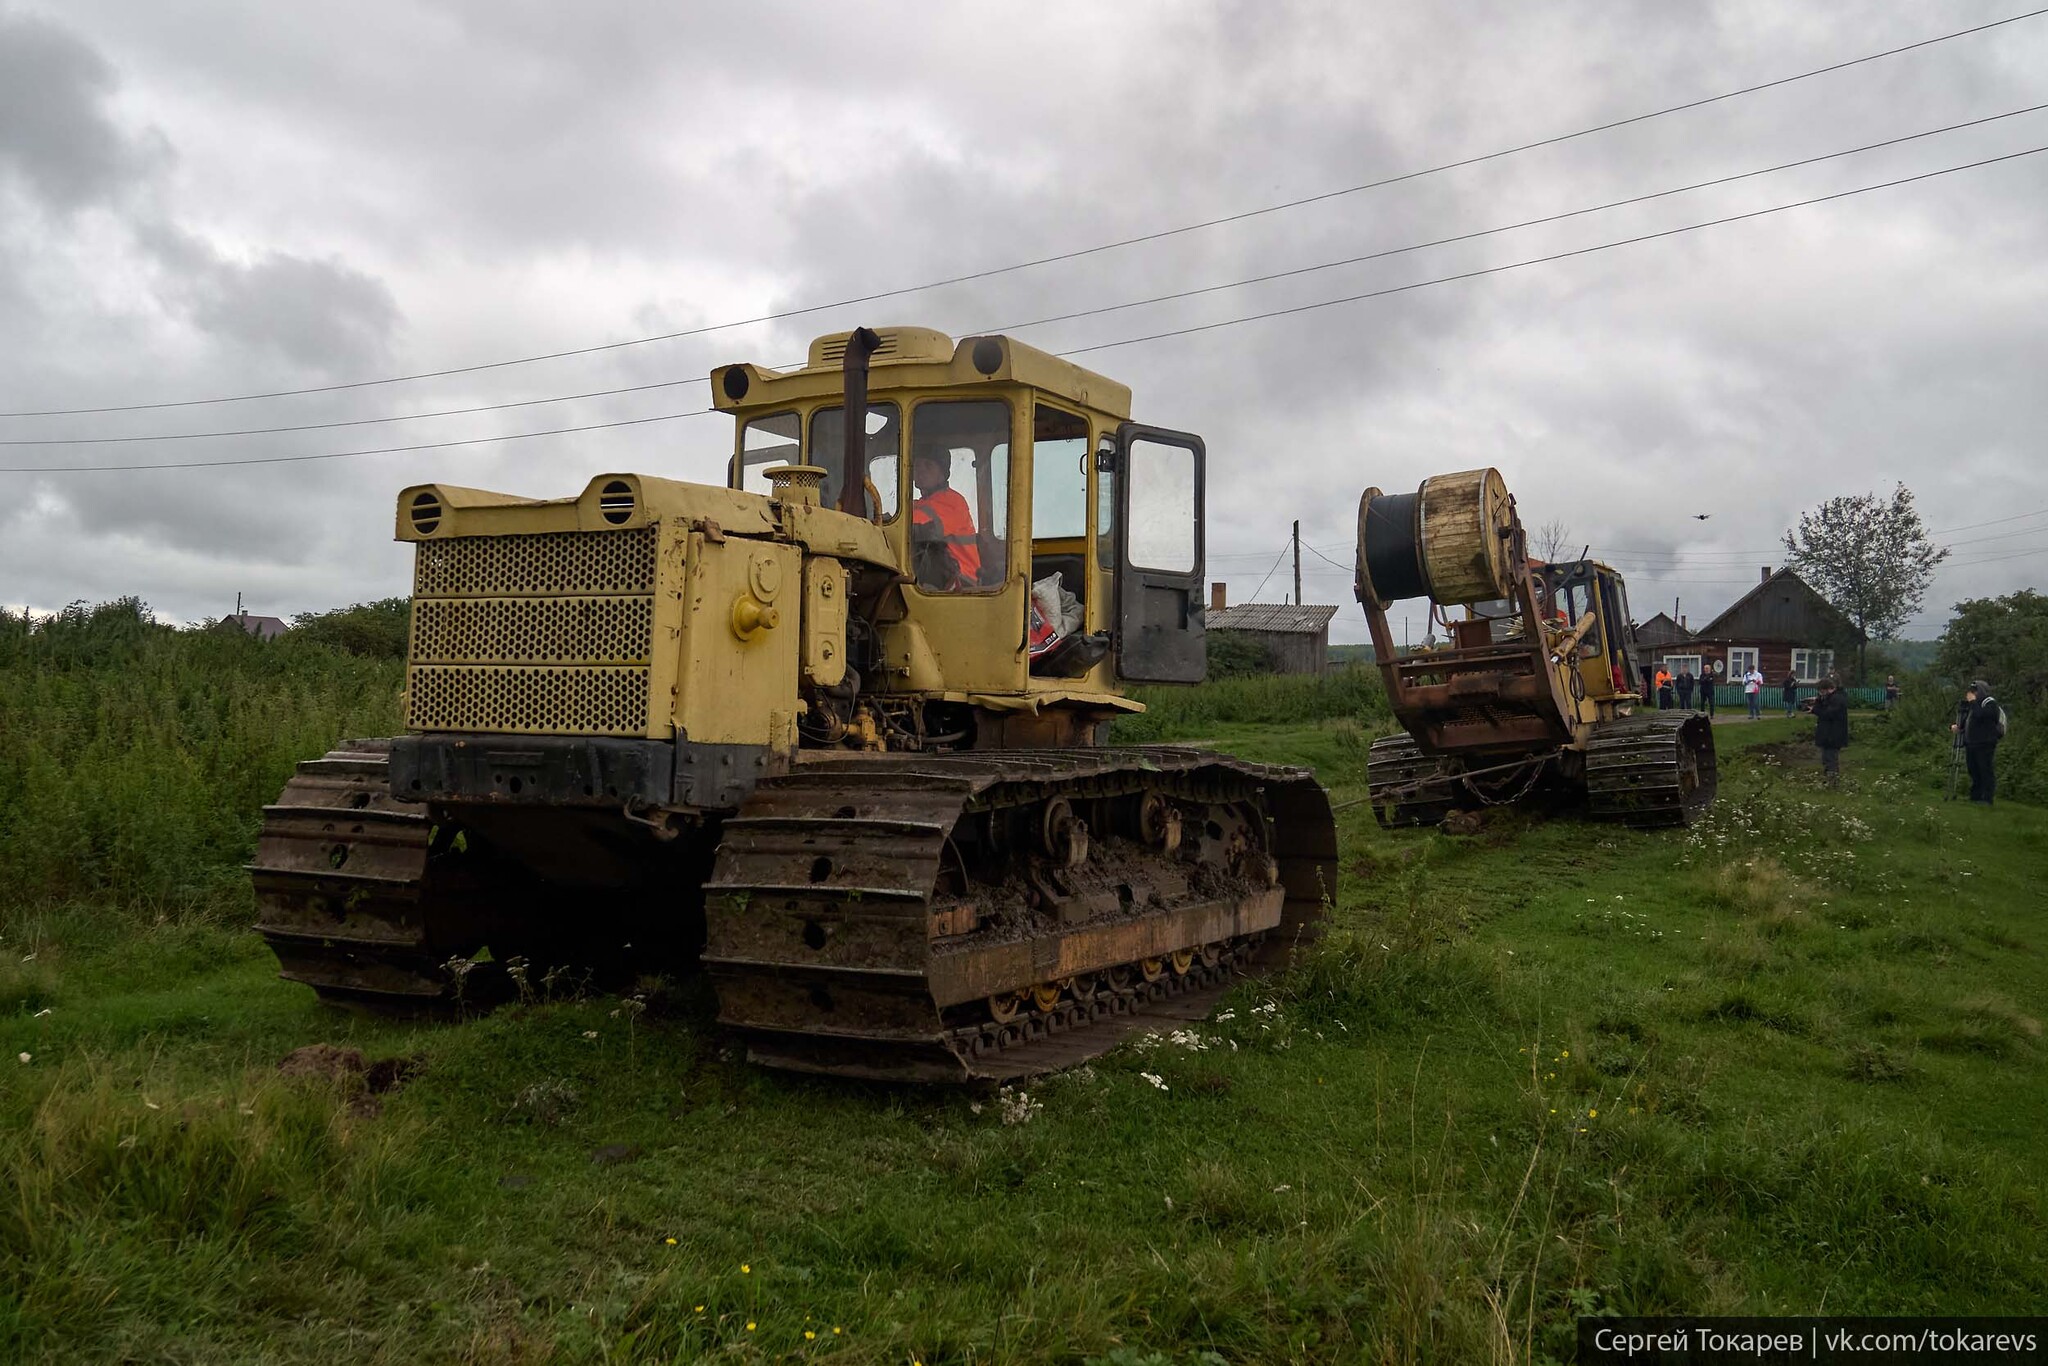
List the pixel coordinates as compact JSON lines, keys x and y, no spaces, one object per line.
{"x":1663,"y":690}
{"x":1831,"y":729}
{"x":1753,"y":689}
{"x":1791,"y":691}
{"x":1706,"y":687}
{"x":1685,"y":685}
{"x":1891,"y":691}
{"x":1979,"y":726}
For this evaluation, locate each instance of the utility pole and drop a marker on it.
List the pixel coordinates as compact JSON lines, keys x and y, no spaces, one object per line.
{"x":1297,"y":562}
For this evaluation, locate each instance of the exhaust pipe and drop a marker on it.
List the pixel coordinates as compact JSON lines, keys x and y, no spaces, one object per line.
{"x":853,"y":472}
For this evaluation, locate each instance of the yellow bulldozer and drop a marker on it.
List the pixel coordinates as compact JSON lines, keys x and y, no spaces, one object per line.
{"x":835,"y":730}
{"x":1533,"y":689}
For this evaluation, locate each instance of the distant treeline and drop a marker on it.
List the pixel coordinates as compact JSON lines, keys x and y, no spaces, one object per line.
{"x":135,"y":757}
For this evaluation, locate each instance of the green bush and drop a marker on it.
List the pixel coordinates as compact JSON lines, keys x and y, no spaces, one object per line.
{"x":1353,"y":693}
{"x":372,"y":630}
{"x":1233,"y":654}
{"x":135,"y":758}
{"x":2003,"y":641}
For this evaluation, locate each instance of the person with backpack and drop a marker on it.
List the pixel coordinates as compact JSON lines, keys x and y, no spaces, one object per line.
{"x":1979,"y":726}
{"x":1831,"y":729}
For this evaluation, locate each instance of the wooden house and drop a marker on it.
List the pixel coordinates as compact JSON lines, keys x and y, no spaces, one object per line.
{"x":1780,"y":626}
{"x":1295,"y":638}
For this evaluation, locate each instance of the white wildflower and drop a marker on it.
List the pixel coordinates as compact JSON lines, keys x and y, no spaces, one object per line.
{"x":1017,"y":1106}
{"x":1152,"y":1077}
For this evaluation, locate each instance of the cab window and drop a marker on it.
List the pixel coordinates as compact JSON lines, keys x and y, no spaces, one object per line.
{"x":884,"y":457}
{"x":1059,"y":475}
{"x":960,"y":472}
{"x":766,"y":442}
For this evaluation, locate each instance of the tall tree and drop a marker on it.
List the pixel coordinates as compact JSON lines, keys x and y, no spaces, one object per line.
{"x":1869,"y":556}
{"x":1552,"y":541}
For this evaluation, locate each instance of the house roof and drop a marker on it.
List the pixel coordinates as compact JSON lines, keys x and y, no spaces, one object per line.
{"x":1661,"y":630}
{"x":1272,"y":616}
{"x":263,"y":628}
{"x":1783,"y":578}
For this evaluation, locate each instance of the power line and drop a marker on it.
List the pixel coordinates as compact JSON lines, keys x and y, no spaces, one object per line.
{"x":1554,"y":256}
{"x":349,"y":422}
{"x":350,"y":455}
{"x":1079,"y":313}
{"x":1104,"y":346}
{"x":1076,"y":254}
{"x":1269,"y":574}
{"x":1513,"y":227}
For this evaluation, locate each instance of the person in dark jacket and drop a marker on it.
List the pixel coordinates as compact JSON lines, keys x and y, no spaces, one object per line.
{"x":1791,"y":691}
{"x":1685,"y":682}
{"x":1976,"y":729}
{"x":1831,"y":729}
{"x":1706,"y":687}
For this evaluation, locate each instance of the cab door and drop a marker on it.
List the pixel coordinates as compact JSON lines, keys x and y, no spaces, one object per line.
{"x":1159,"y":547}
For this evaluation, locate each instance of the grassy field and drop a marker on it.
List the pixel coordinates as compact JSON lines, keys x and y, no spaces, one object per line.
{"x":1786,"y":1062}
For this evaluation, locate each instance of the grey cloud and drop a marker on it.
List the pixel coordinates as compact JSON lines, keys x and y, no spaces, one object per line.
{"x":321,"y":316}
{"x":54,"y":131}
{"x":431,"y":184}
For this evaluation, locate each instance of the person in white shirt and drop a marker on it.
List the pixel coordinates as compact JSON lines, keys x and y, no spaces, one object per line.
{"x":1753,"y":689}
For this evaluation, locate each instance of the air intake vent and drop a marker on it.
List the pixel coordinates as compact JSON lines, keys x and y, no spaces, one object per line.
{"x":557,"y":562}
{"x":834,"y":351}
{"x":615,"y":502}
{"x":425,"y":513}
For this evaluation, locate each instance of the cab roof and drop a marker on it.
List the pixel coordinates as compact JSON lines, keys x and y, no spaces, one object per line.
{"x":919,"y":358}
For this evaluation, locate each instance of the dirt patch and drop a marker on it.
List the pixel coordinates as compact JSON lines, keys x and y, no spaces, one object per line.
{"x":363,"y":1083}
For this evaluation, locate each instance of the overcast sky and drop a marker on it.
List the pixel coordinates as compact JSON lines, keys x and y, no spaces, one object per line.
{"x":212,"y":199}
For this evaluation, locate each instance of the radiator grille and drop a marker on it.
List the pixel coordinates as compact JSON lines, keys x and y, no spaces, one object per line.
{"x":558,"y":701}
{"x":585,"y":630}
{"x":547,"y":634}
{"x":552,"y":562}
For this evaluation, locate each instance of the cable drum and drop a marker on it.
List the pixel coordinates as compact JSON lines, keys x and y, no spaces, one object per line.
{"x":1389,"y":550}
{"x":1468,"y":536}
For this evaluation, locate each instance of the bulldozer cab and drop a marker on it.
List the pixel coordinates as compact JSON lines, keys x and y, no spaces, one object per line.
{"x":1049,"y":548}
{"x":1568,"y":591}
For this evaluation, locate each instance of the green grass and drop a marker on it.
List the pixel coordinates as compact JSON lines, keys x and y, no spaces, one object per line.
{"x":1790,"y":1061}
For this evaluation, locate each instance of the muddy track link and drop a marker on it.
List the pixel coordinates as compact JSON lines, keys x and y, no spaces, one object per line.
{"x":1651,"y":771}
{"x":350,"y":894}
{"x":989,"y":915}
{"x":1406,"y":786}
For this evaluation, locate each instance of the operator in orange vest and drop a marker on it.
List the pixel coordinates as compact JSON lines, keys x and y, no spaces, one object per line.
{"x":940,"y":518}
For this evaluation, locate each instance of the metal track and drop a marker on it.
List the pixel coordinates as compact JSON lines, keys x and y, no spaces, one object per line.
{"x":874,"y":916}
{"x":1406,"y":786}
{"x":351,"y":896}
{"x":1650,"y":771}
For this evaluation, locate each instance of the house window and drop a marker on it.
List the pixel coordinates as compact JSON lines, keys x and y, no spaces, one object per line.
{"x":1813,"y":665}
{"x":1678,"y":664}
{"x":1740,"y":661}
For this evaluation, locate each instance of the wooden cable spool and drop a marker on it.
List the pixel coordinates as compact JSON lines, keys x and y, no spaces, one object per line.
{"x":1451,"y":541}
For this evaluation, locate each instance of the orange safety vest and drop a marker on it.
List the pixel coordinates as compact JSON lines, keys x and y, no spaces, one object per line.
{"x":949,"y":510}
